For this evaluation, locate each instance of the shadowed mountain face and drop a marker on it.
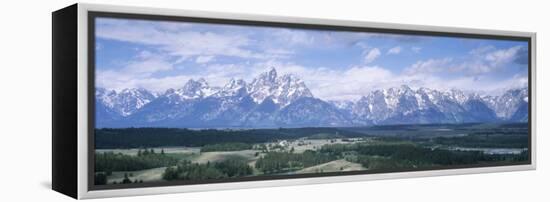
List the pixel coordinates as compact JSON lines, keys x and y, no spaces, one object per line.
{"x":271,"y":100}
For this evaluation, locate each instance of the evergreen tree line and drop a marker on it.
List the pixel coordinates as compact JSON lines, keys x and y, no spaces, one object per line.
{"x":186,"y":170}
{"x":278,"y":162}
{"x":230,"y":146}
{"x":101,"y":179}
{"x":109,"y":138}
{"x":412,"y":156}
{"x":108,"y":162}
{"x":485,"y":140}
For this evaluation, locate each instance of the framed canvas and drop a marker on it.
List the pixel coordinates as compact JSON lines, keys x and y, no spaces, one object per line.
{"x":151,"y":101}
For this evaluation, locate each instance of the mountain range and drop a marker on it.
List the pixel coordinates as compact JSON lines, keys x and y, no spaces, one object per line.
{"x":271,"y":100}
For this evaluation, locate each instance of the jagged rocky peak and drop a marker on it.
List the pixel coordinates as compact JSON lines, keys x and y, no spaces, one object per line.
{"x":457,"y":95}
{"x":193,"y":85}
{"x":125,"y":102}
{"x":100,"y":93}
{"x":273,"y":98}
{"x":282,"y":90}
{"x":401,"y":89}
{"x":426,"y":91}
{"x":506,"y":104}
{"x":135,"y":91}
{"x":235,"y":84}
{"x":140,"y":93}
{"x":343,"y":104}
{"x":265,"y":78}
{"x":271,"y":75}
{"x":195,"y":89}
{"x":235,"y":87}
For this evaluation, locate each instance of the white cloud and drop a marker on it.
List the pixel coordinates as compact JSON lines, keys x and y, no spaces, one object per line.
{"x":394,"y":51}
{"x":176,"y":41}
{"x":143,"y":64}
{"x":292,"y":37}
{"x":430,"y":66}
{"x":132,"y":74}
{"x":278,"y":52}
{"x":326,"y":83}
{"x":372,"y":55}
{"x":483,"y":60}
{"x":502,"y":56}
{"x":153,"y":84}
{"x":486,"y":60}
{"x":147,"y":67}
{"x":204,"y":59}
{"x":400,"y":38}
{"x":481,"y":50}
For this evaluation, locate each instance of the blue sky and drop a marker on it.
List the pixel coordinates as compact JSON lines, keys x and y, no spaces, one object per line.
{"x":335,"y":65}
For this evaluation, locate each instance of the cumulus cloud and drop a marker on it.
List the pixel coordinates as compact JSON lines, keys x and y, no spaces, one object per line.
{"x":522,"y":56}
{"x":429,"y":66}
{"x":204,"y":59}
{"x":482,"y":61}
{"x":488,"y":59}
{"x":176,"y":40}
{"x":292,"y":37}
{"x":394,"y":51}
{"x":502,"y":56}
{"x":371,"y":55}
{"x":129,"y":74}
{"x":400,"y":38}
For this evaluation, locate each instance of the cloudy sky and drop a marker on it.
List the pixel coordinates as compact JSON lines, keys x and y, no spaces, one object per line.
{"x":335,"y":65}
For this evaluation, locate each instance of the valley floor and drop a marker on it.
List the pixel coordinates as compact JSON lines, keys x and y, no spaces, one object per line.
{"x":416,"y":147}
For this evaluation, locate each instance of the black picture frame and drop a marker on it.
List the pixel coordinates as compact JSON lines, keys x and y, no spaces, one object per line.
{"x":66,"y":24}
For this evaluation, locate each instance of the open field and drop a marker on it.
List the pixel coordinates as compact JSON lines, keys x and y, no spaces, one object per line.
{"x":333,"y":166}
{"x":239,"y":153}
{"x":247,"y":155}
{"x":167,"y":150}
{"x":491,"y":150}
{"x":149,"y":175}
{"x":304,"y":144}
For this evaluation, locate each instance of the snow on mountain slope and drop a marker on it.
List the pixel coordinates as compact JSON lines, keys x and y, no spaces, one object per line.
{"x":508,"y":103}
{"x":282,"y":90}
{"x":126,"y":101}
{"x":271,"y":100}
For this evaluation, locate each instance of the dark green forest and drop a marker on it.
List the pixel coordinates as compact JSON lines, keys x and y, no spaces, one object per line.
{"x":230,"y":146}
{"x":277,"y":162}
{"x":484,"y":140}
{"x":165,"y":137}
{"x":146,"y":159}
{"x":394,"y":156}
{"x":186,"y":170}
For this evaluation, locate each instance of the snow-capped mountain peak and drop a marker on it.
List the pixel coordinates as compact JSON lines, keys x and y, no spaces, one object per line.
{"x":343,"y":104}
{"x":195,"y":89}
{"x":125,"y":102}
{"x":235,"y":87}
{"x":457,"y":95}
{"x":506,"y":104}
{"x":273,"y":100}
{"x":405,"y":105}
{"x":271,"y":75}
{"x":282,"y":90}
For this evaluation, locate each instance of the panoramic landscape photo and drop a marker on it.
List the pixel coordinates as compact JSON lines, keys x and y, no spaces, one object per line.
{"x":197,"y":102}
